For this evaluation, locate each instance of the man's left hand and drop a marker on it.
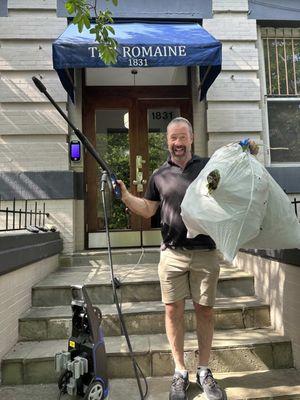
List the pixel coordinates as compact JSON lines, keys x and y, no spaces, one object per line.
{"x":253,"y":147}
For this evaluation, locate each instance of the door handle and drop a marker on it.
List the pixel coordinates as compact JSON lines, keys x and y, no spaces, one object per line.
{"x":139,"y":179}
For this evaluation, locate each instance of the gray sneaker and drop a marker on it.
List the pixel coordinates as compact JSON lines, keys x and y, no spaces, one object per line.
{"x":179,"y":387}
{"x":210,"y":387}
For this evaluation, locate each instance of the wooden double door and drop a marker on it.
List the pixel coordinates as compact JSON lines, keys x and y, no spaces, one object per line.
{"x":129,"y":132}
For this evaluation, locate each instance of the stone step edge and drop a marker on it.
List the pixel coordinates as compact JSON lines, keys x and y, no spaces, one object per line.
{"x":156,"y":307}
{"x":149,"y":344}
{"x":237,"y":387}
{"x":262,"y":385}
{"x":68,"y":260}
{"x":237,"y":276}
{"x":114,"y":251}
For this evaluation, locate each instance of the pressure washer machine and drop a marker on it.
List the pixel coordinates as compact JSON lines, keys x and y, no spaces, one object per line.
{"x":83,"y":368}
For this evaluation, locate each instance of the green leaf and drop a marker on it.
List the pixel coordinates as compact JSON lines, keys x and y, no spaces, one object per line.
{"x":101,"y":29}
{"x":105,"y":33}
{"x":114,"y":43}
{"x":76,"y":19}
{"x":108,"y":54}
{"x":110,"y":28}
{"x":69,"y":7}
{"x":87,"y":22}
{"x":98,"y":38}
{"x":108,"y":16}
{"x":80,"y":25}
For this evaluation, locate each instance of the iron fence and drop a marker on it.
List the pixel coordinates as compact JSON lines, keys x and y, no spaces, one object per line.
{"x":295,"y":202}
{"x":18,"y":219}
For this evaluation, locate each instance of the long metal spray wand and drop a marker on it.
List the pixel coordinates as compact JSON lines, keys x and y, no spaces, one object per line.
{"x":106,"y":175}
{"x":135,"y":365}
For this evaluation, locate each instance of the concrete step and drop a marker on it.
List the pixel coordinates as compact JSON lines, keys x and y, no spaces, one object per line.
{"x":282,"y":384}
{"x":233,"y":350}
{"x":139,"y":283}
{"x":47,"y":323}
{"x":263,"y":385}
{"x":121,"y":256}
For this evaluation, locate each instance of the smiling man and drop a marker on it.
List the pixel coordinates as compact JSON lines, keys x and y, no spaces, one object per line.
{"x":187,"y":267}
{"x":180,"y":139}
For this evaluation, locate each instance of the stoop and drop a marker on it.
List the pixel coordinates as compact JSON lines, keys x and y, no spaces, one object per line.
{"x":248,"y":357}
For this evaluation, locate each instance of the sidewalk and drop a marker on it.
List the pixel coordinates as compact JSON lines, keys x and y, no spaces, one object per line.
{"x":30,"y":392}
{"x":255,"y":385}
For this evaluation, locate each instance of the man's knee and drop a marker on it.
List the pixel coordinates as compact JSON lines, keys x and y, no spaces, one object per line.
{"x":204,"y":311}
{"x":175,"y":310}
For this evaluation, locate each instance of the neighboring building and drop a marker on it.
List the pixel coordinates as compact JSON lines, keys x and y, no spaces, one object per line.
{"x":125,"y":111}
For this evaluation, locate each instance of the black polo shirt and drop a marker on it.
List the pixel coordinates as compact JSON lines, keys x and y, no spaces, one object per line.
{"x":168,"y":185}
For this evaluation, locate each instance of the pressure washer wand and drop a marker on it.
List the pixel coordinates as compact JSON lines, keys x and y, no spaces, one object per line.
{"x":137,"y":369}
{"x":117,"y":191}
{"x":85,"y":141}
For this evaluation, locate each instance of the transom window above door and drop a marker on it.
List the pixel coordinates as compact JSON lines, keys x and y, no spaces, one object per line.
{"x":159,"y":76}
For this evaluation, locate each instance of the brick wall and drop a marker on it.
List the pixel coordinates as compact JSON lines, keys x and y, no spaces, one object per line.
{"x":234,"y":100}
{"x":33,"y":136}
{"x":15,"y":298}
{"x":32,"y":133}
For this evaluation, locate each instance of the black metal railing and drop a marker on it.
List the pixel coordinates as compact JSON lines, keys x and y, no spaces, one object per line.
{"x":18,"y":219}
{"x":295,"y":202}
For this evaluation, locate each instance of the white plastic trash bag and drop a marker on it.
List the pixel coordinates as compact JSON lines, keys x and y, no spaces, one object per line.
{"x":232,"y":213}
{"x":236,"y":208}
{"x":280,"y":228}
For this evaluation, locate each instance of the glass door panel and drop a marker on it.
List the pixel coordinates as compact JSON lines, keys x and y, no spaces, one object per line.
{"x":112,"y":143}
{"x":158,"y":120}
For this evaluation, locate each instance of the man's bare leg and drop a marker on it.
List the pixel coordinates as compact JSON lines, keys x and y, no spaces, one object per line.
{"x":175,"y":331}
{"x":205,"y":330}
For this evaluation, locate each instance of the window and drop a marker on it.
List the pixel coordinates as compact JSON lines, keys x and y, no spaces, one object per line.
{"x":3,"y":8}
{"x":282,"y":68}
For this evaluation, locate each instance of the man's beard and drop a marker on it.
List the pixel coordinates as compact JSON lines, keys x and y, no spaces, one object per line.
{"x":178,"y":154}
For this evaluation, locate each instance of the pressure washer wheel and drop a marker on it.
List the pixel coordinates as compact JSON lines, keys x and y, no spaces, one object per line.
{"x":95,"y":391}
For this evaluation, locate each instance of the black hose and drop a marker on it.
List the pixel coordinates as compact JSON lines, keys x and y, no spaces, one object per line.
{"x":136,"y":367}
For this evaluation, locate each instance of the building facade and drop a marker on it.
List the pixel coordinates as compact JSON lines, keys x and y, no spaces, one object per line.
{"x":124,"y":111}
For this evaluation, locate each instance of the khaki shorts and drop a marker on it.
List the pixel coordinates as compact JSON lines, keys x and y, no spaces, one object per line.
{"x":189,"y":273}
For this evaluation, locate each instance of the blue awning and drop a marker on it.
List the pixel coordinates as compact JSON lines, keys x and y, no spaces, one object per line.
{"x":142,"y":45}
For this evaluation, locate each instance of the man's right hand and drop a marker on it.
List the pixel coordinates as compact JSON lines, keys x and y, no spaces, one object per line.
{"x":123,"y":188}
{"x":139,"y":205}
